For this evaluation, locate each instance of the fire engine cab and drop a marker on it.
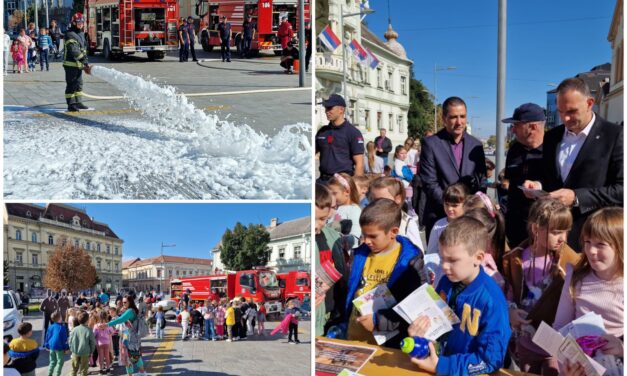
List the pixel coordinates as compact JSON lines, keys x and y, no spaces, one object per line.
{"x":265,"y":13}
{"x":117,"y":27}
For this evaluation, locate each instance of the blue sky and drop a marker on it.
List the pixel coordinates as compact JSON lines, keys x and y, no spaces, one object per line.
{"x":194,"y":228}
{"x":547,"y":41}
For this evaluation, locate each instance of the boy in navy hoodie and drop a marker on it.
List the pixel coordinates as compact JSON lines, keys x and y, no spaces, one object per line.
{"x":478,"y":344}
{"x":383,"y":258}
{"x":56,"y":343}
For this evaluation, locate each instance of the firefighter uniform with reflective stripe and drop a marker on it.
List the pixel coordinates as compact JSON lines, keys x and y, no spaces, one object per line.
{"x":74,"y":62}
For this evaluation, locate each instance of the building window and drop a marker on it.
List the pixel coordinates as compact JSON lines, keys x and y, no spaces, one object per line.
{"x":391,"y":122}
{"x":109,"y":265}
{"x":297,"y":252}
{"x":98,"y":247}
{"x":77,"y":243}
{"x":389,"y":84}
{"x":117,"y":267}
{"x":404,"y":85}
{"x":379,"y":120}
{"x":98,"y":264}
{"x":76,"y":221}
{"x":28,"y":213}
{"x":87,"y":245}
{"x":379,"y":78}
{"x":282,"y":253}
{"x":158,"y":273}
{"x":177,"y":273}
{"x":367,"y":119}
{"x":61,"y":217}
{"x":18,"y":258}
{"x":184,"y":272}
{"x":50,"y":240}
{"x":18,"y":235}
{"x":11,"y":6}
{"x":115,"y":249}
{"x":619,"y":64}
{"x":401,"y":124}
{"x":33,"y":237}
{"x":170,"y":273}
{"x":108,"y":248}
{"x":35,"y":259}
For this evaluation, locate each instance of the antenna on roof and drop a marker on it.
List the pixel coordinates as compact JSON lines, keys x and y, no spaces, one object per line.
{"x":389,"y":13}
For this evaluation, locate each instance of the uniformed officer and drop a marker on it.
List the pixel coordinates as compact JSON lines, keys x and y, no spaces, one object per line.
{"x":191,"y":32}
{"x":224,"y":29}
{"x":74,"y":63}
{"x":340,"y":144}
{"x":249,"y":34}
{"x":183,"y":41}
{"x":524,"y":162}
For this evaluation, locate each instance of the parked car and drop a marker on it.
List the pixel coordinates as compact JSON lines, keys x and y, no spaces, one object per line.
{"x":166,"y":304}
{"x":12,"y":314}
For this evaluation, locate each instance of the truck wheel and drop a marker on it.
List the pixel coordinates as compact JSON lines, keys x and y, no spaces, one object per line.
{"x":106,"y":50}
{"x":278,"y":52}
{"x":204,"y":41}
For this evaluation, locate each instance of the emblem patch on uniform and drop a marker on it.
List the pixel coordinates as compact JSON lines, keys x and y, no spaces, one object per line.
{"x":330,"y":139}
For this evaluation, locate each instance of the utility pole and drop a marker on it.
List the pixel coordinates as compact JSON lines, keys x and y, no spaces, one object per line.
{"x":163,"y":264}
{"x":301,"y":43}
{"x":500,"y":85}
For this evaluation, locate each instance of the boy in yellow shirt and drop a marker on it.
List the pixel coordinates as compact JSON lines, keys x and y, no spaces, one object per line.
{"x":230,"y":320}
{"x":384,"y":258}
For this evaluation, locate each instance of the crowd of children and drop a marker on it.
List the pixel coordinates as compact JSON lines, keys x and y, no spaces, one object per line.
{"x":500,"y":295}
{"x":31,"y":47}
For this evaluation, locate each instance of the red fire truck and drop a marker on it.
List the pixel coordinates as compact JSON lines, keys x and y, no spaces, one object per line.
{"x":260,"y":285}
{"x":295,"y":284}
{"x":265,"y":13}
{"x":116,"y":27}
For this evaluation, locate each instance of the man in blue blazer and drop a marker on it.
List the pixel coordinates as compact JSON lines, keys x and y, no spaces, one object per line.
{"x":448,"y":157}
{"x":583,"y":158}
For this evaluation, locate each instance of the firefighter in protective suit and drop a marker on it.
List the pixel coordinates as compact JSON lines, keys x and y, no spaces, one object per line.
{"x":74,"y":63}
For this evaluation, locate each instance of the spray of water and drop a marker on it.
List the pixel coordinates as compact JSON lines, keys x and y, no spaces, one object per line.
{"x":170,"y":111}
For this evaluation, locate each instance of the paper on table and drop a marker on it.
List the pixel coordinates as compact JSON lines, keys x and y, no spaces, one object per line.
{"x":372,"y":301}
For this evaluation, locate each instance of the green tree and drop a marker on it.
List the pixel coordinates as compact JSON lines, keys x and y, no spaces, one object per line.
{"x":491,"y":142}
{"x":245,"y":247}
{"x":420,"y":115}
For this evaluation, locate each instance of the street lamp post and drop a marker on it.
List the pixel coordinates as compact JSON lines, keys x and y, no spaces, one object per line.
{"x":364,"y":12}
{"x":437,"y":69}
{"x":162,"y":264}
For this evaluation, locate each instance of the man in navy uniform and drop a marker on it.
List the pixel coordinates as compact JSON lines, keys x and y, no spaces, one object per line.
{"x":340,"y":144}
{"x":249,"y":34}
{"x":224,"y":29}
{"x":191,"y":34}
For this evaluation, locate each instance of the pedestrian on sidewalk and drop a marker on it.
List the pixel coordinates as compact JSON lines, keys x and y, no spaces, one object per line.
{"x":115,"y":337}
{"x":103,"y":333}
{"x":32,"y":51}
{"x":293,"y":327}
{"x":130,"y":351}
{"x":57,"y":343}
{"x":224,"y":29}
{"x":209,"y":316}
{"x":160,"y":317}
{"x":184,"y":318}
{"x":251,"y":315}
{"x":17,"y":53}
{"x":82,"y":344}
{"x":261,"y":318}
{"x":183,"y":41}
{"x":43,"y":45}
{"x":230,"y":321}
{"x":220,"y":315}
{"x":7,"y":48}
{"x":191,"y":32}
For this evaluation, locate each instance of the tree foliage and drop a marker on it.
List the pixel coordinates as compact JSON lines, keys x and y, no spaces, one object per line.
{"x":69,"y":267}
{"x":420,"y":115}
{"x":245,"y":247}
{"x":491,"y":141}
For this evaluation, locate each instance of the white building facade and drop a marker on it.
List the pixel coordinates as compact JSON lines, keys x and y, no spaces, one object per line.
{"x":376,"y":98}
{"x":611,"y":107}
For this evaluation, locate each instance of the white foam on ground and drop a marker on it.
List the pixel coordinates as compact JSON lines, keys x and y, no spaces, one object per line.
{"x":177,"y":152}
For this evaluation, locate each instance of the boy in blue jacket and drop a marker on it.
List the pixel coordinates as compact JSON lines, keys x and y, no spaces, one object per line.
{"x":384,"y":258}
{"x":478,"y":344}
{"x":56,"y":343}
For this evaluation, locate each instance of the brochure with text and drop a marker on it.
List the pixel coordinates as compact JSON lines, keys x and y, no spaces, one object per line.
{"x":370,"y":302}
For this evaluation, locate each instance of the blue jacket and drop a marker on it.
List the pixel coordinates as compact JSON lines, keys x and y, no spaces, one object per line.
{"x":44,"y":42}
{"x":56,"y":337}
{"x":478,"y":344}
{"x":407,"y":275}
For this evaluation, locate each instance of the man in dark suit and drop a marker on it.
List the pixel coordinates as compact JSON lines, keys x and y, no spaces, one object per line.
{"x":383,"y":145}
{"x":583,"y":158}
{"x":448,"y":157}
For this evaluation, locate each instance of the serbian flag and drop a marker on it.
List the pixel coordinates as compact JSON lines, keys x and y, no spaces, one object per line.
{"x":328,"y":37}
{"x":372,"y":59}
{"x":358,"y":51}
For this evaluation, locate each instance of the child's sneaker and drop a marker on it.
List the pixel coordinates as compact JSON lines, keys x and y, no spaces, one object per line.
{"x":228,"y":340}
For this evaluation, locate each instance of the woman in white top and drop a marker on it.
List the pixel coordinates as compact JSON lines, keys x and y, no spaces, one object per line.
{"x":374,"y":164}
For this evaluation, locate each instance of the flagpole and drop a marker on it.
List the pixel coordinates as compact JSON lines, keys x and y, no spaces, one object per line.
{"x":343,"y":51}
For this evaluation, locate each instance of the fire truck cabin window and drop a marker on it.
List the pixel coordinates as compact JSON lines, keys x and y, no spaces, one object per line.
{"x":247,"y":280}
{"x":302,"y":282}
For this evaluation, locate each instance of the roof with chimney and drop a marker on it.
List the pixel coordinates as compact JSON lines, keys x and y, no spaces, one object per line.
{"x":294,"y":227}
{"x":60,"y":213}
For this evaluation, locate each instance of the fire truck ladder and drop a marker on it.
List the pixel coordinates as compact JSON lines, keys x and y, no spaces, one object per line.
{"x":129,"y":22}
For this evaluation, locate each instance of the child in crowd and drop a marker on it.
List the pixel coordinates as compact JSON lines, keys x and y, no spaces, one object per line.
{"x":330,"y":309}
{"x":210,"y":316}
{"x":238,"y":332}
{"x":453,"y":198}
{"x":230,"y":321}
{"x":362,"y":182}
{"x":501,"y":191}
{"x":393,"y":189}
{"x":220,"y":320}
{"x":251,"y":317}
{"x":595,"y":284}
{"x":261,"y":319}
{"x":402,"y":171}
{"x":32,"y":52}
{"x":57,"y":343}
{"x":480,"y":207}
{"x":478,"y":344}
{"x":387,"y":170}
{"x":17,"y":53}
{"x":82,"y":344}
{"x":91,"y":323}
{"x":8,"y":370}
{"x":347,"y":198}
{"x":160,"y":318}
{"x":197,"y":320}
{"x":384,"y":258}
{"x":115,"y":337}
{"x":293,"y":326}
{"x":24,"y":350}
{"x":43,"y":44}
{"x":373,"y":164}
{"x":184,"y":318}
{"x":150,"y":321}
{"x":489,"y":180}
{"x":534,"y":275}
{"x":103,"y":333}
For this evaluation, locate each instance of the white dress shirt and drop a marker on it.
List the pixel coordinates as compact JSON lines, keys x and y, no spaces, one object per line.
{"x":570,"y":146}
